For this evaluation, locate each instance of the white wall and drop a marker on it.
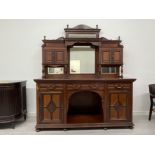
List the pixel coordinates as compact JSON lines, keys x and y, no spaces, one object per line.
{"x":20,"y":51}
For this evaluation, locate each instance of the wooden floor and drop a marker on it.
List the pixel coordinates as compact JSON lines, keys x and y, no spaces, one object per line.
{"x":142,"y":127}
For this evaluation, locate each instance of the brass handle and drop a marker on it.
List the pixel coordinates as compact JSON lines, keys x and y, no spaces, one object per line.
{"x":119,"y":87}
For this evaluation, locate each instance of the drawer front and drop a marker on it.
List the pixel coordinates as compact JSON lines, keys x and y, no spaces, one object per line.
{"x":85,"y":86}
{"x":119,"y":86}
{"x":46,"y":87}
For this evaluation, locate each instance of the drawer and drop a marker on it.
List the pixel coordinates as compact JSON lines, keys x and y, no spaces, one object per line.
{"x":118,"y":86}
{"x":85,"y":86}
{"x":51,"y":86}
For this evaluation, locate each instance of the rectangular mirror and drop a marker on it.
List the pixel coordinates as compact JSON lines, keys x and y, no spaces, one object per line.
{"x":55,"y":70}
{"x":108,"y":70}
{"x":82,"y":60}
{"x":82,"y":35}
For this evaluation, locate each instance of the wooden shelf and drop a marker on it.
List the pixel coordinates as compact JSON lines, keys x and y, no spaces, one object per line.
{"x":98,"y":118}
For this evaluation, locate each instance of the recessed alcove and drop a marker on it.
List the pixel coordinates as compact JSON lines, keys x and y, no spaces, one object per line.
{"x":85,"y":107}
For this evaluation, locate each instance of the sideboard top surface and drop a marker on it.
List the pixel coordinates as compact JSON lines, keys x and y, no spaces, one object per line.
{"x":87,"y":80}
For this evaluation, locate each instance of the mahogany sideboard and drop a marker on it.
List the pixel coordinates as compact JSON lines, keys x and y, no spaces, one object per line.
{"x":12,"y":101}
{"x":104,"y":103}
{"x":82,"y":84}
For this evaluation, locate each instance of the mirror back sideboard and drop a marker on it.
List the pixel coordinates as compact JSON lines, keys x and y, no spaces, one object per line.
{"x":74,"y":94}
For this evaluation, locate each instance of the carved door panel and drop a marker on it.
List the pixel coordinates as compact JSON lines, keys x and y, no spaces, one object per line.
{"x":119,"y":108}
{"x":49,"y":57}
{"x":59,"y":57}
{"x":51,"y":107}
{"x":54,"y":57}
{"x":116,"y":56}
{"x":111,"y":56}
{"x":105,"y":56}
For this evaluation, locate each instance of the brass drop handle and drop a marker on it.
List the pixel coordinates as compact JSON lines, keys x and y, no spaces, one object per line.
{"x":119,"y":87}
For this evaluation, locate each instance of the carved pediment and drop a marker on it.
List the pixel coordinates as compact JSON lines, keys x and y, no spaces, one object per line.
{"x":82,"y":31}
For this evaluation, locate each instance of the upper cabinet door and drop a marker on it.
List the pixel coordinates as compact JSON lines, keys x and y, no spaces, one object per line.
{"x":116,"y":55}
{"x":111,"y":56}
{"x":54,"y":57}
{"x":59,"y":57}
{"x":105,"y":56}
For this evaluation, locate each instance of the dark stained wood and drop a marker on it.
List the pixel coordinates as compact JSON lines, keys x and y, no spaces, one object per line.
{"x":111,"y":56}
{"x":115,"y":103}
{"x":12,"y":101}
{"x":51,"y":107}
{"x":83,"y":100}
{"x":54,"y":57}
{"x":93,"y":118}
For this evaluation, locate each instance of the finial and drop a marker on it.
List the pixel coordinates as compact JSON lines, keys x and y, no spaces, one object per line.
{"x":96,"y":26}
{"x":44,"y":37}
{"x":67,"y":26}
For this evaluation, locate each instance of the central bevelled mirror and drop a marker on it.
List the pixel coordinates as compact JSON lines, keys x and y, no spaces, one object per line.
{"x":82,"y":60}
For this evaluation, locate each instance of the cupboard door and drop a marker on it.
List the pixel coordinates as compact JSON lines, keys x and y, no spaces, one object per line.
{"x":116,"y":56}
{"x":54,"y":57}
{"x":119,"y":108}
{"x":49,"y":57}
{"x":111,"y":56}
{"x":105,"y":56}
{"x":51,"y":107}
{"x":59,"y":57}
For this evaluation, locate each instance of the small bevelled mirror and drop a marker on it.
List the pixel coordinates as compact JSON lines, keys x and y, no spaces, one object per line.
{"x":82,"y":60}
{"x":55,"y":70}
{"x":82,"y":35}
{"x":109,"y":70}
